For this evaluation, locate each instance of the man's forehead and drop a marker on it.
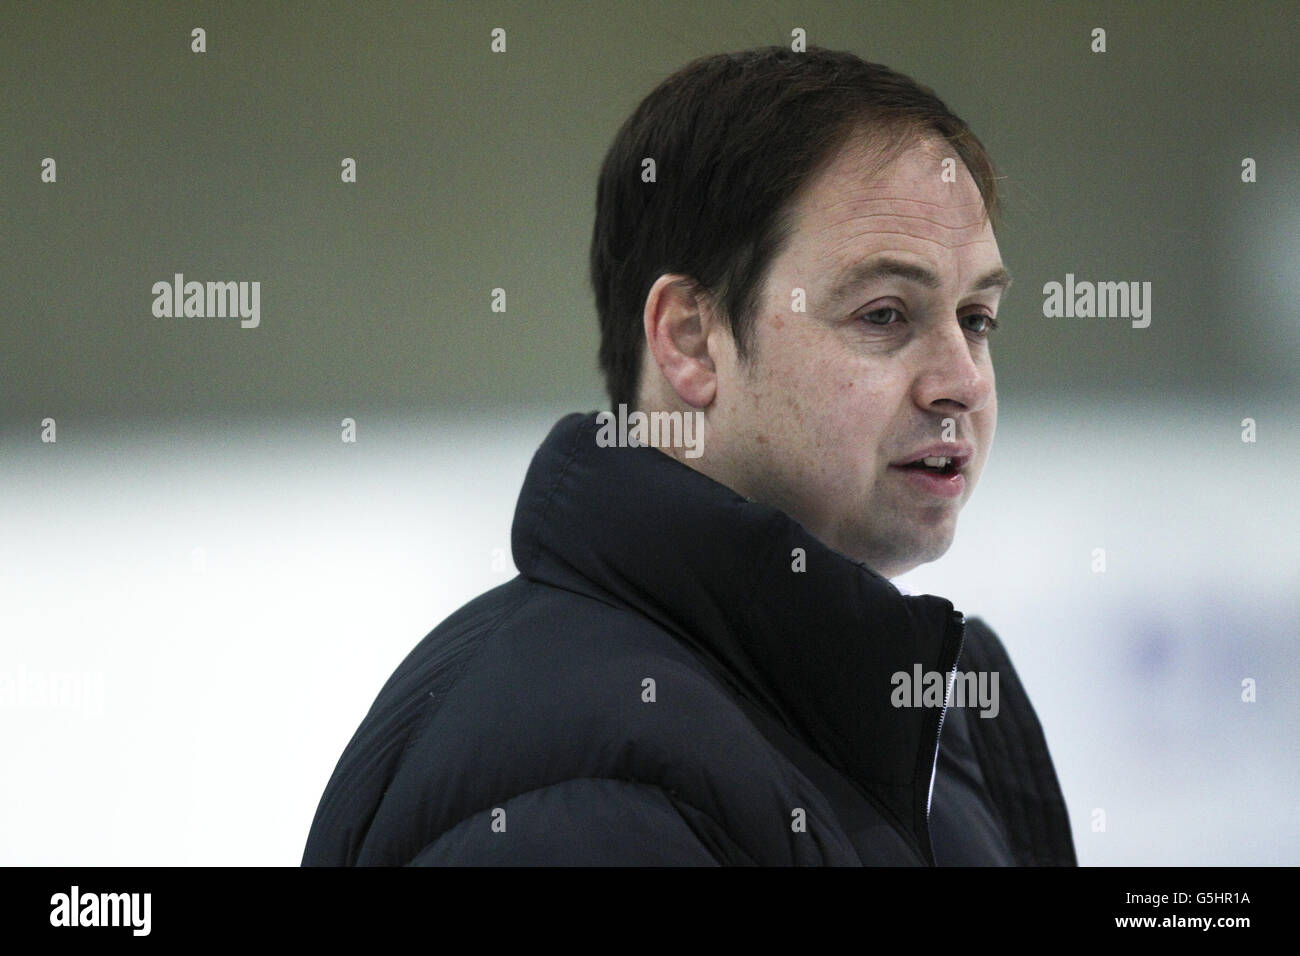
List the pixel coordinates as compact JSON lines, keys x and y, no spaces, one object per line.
{"x":955,"y":242}
{"x":913,"y":198}
{"x":850,"y":221}
{"x":859,"y":236}
{"x":912,"y":195}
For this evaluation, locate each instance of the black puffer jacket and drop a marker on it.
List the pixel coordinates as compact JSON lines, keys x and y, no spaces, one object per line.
{"x":659,"y":686}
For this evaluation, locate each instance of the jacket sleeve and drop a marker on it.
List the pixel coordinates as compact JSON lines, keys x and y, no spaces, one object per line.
{"x":585,"y":822}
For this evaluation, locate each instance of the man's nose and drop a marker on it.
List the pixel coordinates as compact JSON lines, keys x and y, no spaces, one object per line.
{"x":954,"y":370}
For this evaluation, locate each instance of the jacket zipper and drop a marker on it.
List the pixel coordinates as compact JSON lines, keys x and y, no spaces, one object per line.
{"x":959,"y":619}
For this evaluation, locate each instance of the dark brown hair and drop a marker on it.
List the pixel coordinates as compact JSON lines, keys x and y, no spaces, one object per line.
{"x":734,"y":137}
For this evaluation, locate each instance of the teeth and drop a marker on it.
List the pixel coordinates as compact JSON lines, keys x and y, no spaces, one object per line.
{"x":935,"y":462}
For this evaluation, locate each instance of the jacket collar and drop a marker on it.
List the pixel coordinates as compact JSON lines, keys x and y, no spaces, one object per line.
{"x":816,"y":649}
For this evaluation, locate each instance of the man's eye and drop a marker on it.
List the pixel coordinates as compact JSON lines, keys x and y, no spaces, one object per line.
{"x":990,"y":323}
{"x":886,"y":312}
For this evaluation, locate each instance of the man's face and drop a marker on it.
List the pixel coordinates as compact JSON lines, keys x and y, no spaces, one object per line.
{"x":836,"y":398}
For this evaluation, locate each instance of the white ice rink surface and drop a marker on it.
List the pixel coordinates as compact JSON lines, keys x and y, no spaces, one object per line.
{"x":193,"y":622}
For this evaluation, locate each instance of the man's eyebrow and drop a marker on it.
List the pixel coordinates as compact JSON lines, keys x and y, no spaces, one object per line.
{"x":862,"y":273}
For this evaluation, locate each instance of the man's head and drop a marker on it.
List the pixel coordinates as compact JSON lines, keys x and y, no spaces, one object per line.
{"x":808,"y":272}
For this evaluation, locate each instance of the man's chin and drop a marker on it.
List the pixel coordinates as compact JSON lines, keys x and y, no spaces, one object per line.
{"x":889,"y":560}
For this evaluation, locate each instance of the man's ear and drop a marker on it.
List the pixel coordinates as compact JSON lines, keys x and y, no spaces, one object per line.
{"x":679,"y":324}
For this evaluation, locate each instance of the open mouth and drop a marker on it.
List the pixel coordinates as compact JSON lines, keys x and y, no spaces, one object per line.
{"x":936,"y":466}
{"x":941,"y":477}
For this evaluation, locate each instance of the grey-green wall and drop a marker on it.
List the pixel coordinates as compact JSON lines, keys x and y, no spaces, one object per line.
{"x":477,"y":170}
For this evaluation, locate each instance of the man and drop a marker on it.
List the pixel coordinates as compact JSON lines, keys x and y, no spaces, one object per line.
{"x":702,"y":660}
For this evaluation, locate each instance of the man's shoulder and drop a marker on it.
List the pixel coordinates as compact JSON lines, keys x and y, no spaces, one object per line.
{"x":565,"y":682}
{"x":1014,"y":757}
{"x":982,"y":649}
{"x":540,"y":639}
{"x":529,"y":686}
